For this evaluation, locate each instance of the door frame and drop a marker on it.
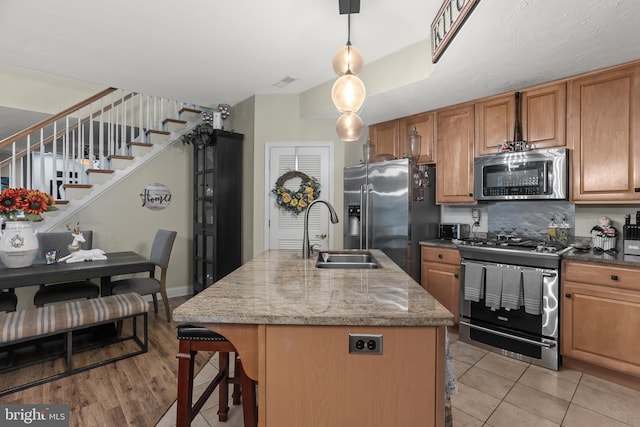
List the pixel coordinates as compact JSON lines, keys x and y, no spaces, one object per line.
{"x":268,"y":185}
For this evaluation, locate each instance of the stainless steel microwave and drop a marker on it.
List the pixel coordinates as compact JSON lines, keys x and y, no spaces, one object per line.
{"x":522,"y":175}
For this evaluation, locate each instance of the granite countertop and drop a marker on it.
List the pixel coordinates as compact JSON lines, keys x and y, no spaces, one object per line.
{"x":278,"y":287}
{"x":439,"y":243}
{"x":574,"y":254}
{"x":603,"y":257}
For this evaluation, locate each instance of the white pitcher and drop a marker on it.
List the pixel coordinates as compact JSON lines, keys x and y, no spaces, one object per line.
{"x":18,"y":244}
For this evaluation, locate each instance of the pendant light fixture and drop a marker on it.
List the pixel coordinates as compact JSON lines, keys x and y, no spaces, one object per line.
{"x":348,"y":92}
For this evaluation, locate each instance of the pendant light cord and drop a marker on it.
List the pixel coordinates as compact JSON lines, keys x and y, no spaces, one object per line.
{"x":348,"y":44}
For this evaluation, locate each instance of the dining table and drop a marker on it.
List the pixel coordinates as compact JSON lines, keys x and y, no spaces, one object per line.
{"x":117,"y":263}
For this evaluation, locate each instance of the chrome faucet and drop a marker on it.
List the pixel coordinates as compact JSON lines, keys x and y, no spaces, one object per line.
{"x":333,"y":216}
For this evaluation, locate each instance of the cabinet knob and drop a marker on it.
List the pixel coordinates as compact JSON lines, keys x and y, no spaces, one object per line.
{"x":614,"y":277}
{"x":440,"y":256}
{"x":470,"y":194}
{"x":455,"y":275}
{"x":567,"y":295}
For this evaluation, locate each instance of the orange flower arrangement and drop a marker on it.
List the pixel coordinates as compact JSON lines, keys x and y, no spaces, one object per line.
{"x":21,"y":203}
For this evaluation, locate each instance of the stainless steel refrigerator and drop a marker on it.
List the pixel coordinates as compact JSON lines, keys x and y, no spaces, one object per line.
{"x":391,"y":206}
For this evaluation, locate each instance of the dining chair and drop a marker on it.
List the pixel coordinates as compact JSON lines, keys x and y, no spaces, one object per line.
{"x":8,"y":300}
{"x":160,"y":253}
{"x":50,"y":293}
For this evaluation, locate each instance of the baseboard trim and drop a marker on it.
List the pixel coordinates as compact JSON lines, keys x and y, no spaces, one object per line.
{"x":625,"y":380}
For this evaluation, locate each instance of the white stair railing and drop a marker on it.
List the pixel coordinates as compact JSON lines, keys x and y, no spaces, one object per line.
{"x":61,"y":149}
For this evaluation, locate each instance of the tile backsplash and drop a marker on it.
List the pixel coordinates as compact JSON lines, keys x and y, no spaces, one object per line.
{"x":529,"y":219}
{"x":584,"y":216}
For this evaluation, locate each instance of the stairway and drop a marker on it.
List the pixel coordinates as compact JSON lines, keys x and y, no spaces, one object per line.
{"x":91,"y":146}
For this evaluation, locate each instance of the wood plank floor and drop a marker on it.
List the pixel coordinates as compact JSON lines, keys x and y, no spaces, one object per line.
{"x":133,"y":392}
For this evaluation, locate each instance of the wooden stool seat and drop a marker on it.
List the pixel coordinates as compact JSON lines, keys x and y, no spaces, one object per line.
{"x":194,"y":338}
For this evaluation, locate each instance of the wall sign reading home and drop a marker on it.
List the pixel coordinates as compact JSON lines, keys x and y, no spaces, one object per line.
{"x":448,"y":20}
{"x":155,"y":196}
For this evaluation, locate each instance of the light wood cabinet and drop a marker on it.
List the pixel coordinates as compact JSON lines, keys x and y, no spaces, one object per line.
{"x":600,"y":315}
{"x":386,"y":137}
{"x":494,"y":122}
{"x":544,"y":115}
{"x":440,"y":276}
{"x":454,"y":154}
{"x":425,"y":125}
{"x":543,"y":118}
{"x":311,"y":379}
{"x":603,"y":128}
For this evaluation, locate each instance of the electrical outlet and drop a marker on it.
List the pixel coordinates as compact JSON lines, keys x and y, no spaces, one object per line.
{"x":365,"y":343}
{"x":475,"y":215}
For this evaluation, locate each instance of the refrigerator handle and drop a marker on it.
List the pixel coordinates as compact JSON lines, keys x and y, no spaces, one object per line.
{"x":367,"y":190}
{"x":362,"y":215}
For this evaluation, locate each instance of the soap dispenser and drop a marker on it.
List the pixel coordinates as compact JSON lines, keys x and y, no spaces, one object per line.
{"x":564,"y":231}
{"x":552,"y":231}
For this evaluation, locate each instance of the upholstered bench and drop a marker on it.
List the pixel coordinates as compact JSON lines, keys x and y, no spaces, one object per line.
{"x":64,"y":319}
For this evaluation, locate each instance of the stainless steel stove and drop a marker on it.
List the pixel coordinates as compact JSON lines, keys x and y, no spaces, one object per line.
{"x":517,"y":252}
{"x":524,"y":324}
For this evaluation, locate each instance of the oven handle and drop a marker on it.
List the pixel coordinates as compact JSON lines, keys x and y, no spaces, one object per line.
{"x":502,"y":334}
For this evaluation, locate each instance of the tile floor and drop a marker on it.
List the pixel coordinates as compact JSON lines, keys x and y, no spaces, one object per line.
{"x":496,"y":391}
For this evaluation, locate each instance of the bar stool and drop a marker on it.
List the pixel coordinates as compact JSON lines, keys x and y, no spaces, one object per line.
{"x":194,"y":338}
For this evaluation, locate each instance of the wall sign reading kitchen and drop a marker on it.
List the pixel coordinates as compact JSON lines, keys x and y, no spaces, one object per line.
{"x":450,"y":17}
{"x":155,"y":196}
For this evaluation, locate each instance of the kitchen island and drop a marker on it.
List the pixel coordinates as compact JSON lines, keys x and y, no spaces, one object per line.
{"x":291,"y":321}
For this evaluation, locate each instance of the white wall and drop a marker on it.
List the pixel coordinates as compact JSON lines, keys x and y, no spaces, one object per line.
{"x":120,"y":222}
{"x":276,"y":118}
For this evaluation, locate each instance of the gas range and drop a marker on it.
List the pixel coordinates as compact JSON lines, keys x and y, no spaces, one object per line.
{"x":514,"y":251}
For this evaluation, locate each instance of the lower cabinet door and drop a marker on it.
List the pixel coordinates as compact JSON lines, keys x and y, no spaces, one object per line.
{"x":442,"y":281}
{"x":600,"y":326}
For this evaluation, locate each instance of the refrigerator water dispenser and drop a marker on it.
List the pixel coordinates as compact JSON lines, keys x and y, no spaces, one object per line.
{"x":354,"y":220}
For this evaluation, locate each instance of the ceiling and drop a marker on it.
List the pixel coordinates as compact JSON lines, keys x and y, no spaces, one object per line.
{"x":211,"y":52}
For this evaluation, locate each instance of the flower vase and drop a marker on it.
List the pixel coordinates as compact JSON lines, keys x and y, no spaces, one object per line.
{"x":18,"y":244}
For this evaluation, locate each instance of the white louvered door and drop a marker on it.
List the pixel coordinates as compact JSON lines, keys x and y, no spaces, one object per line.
{"x":284,"y":228}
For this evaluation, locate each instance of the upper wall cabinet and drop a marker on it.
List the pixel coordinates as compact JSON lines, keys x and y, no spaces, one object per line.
{"x":425,"y":125}
{"x":454,"y":174}
{"x":386,"y":137}
{"x":544,"y":115}
{"x":543,"y":118}
{"x":494,"y":121}
{"x":603,"y":128}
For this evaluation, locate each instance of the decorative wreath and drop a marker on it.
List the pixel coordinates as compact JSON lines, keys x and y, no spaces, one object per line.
{"x":296,"y":201}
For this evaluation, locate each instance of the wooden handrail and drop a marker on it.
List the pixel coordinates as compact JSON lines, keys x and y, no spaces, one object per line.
{"x":60,"y":133}
{"x":56,"y":117}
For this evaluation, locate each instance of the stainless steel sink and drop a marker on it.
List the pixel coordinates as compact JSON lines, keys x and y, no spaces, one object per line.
{"x":346,"y":259}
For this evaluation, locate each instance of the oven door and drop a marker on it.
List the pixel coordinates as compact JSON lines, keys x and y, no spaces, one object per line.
{"x":508,"y":342}
{"x":515,"y":333}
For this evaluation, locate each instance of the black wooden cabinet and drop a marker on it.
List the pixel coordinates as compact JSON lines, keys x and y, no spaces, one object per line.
{"x":217,"y":208}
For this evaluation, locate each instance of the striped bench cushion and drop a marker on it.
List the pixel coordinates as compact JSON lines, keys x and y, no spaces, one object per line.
{"x":33,"y":322}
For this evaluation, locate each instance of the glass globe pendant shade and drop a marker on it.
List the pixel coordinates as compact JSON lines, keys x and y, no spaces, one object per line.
{"x":348,"y":93}
{"x":348,"y":57}
{"x":349,"y":127}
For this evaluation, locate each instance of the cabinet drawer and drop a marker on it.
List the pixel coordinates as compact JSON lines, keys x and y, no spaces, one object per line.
{"x":442,"y":255}
{"x":603,"y":275}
